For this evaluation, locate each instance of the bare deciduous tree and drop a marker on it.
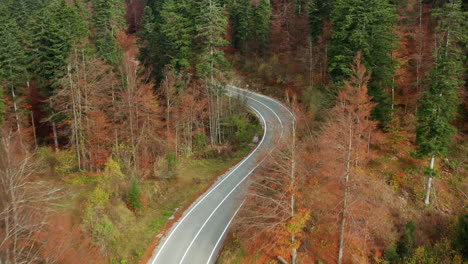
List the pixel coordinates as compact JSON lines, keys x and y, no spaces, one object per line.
{"x":24,"y":204}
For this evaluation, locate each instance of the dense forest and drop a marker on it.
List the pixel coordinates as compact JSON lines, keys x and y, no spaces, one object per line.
{"x":114,"y":118}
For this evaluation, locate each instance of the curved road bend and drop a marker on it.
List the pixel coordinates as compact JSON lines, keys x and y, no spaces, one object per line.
{"x":197,"y":237}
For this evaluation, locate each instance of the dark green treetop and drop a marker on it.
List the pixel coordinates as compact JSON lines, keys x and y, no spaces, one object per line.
{"x":366,"y":26}
{"x":438,"y":105}
{"x":211,"y":25}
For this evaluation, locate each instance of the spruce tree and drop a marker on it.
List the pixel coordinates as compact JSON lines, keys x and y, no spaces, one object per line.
{"x":178,"y":27}
{"x":12,"y":62}
{"x":438,"y":105}
{"x":12,"y":55}
{"x":366,"y":26}
{"x":154,"y":48}
{"x":240,"y":12}
{"x":107,"y":21}
{"x":262,"y":24}
{"x":316,"y":9}
{"x":56,"y":28}
{"x":211,"y":25}
{"x":133,"y":197}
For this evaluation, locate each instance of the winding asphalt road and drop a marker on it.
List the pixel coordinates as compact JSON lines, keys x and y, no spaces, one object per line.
{"x":198,"y":236}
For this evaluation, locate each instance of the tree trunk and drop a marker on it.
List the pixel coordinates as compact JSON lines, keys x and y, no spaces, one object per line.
{"x":15,"y":107}
{"x":311,"y":61}
{"x":345,"y":198}
{"x":34,"y":129}
{"x":429,"y":182}
{"x":75,"y":118}
{"x":54,"y":132}
{"x":282,"y":260}
{"x":293,"y":182}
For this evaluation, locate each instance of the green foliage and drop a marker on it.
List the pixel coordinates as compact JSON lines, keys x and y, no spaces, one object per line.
{"x":438,"y":105}
{"x":441,"y":252}
{"x":366,"y":26}
{"x":240,"y":12}
{"x":61,"y":162}
{"x":262,"y":23}
{"x":171,"y":161}
{"x":211,"y":24}
{"x":98,"y":198}
{"x":178,"y":28}
{"x":431,"y":172}
{"x":112,"y":169}
{"x":421,"y":256}
{"x":316,"y":10}
{"x":185,"y":34}
{"x":13,"y":60}
{"x":460,"y":241}
{"x":154,"y":48}
{"x":133,"y":196}
{"x":407,"y":241}
{"x":104,"y":230}
{"x":55,"y":29}
{"x":108,"y":19}
{"x":243,"y":130}
{"x":391,"y":255}
{"x":199,"y":141}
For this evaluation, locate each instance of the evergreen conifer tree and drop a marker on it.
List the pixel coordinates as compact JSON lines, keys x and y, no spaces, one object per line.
{"x":316,"y":8}
{"x":154,"y":49}
{"x":211,"y":25}
{"x":179,"y":30}
{"x":438,"y":105}
{"x":107,"y":20}
{"x":366,"y":26}
{"x":241,"y":19}
{"x":133,"y":197}
{"x":262,"y":23}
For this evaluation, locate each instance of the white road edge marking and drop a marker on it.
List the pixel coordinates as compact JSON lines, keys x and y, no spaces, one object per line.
{"x":207,"y":194}
{"x":279,"y":119}
{"x":224,"y":231}
{"x":235,"y":187}
{"x":269,"y":98}
{"x":219,"y":205}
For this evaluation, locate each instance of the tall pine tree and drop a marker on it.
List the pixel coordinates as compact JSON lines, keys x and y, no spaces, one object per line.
{"x":366,"y":26}
{"x":262,"y":24}
{"x":13,"y":61}
{"x":211,"y":25}
{"x":438,"y":105}
{"x":178,"y":27}
{"x":154,"y":45}
{"x":108,"y":19}
{"x":240,"y":12}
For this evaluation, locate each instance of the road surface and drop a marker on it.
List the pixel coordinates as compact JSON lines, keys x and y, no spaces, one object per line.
{"x":198,"y":236}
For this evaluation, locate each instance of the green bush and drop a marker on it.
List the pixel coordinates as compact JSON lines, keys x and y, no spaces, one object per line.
{"x":98,"y":197}
{"x":171,"y":161}
{"x":62,"y":162}
{"x":407,"y":243}
{"x":104,"y":230}
{"x":391,"y":255}
{"x":460,"y":241}
{"x":199,"y":142}
{"x":421,"y":256}
{"x":244,"y":129}
{"x":133,"y":197}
